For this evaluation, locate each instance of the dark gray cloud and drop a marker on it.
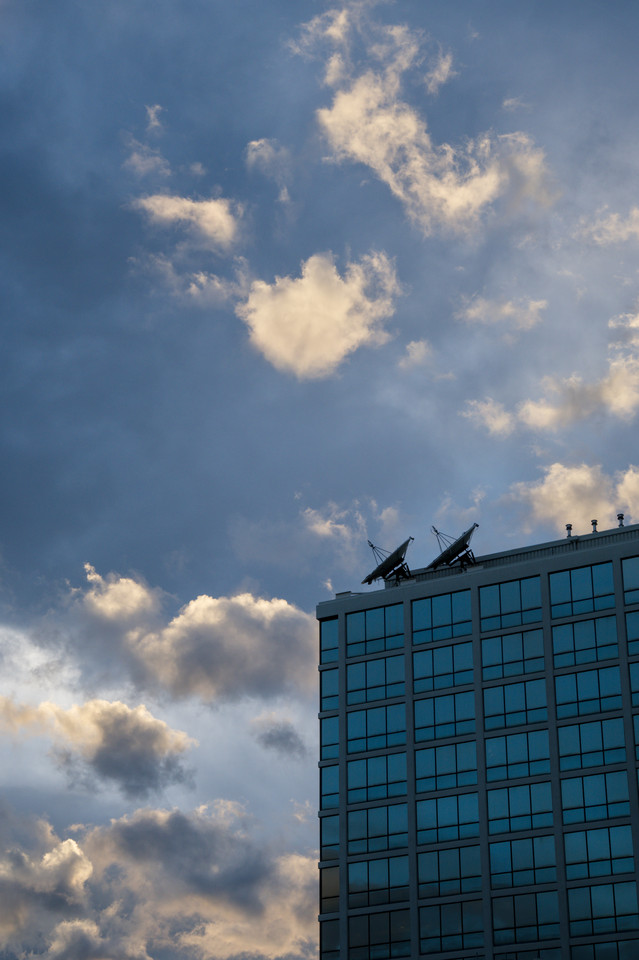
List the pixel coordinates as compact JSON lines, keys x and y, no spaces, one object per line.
{"x":106,"y":740}
{"x":159,"y":884}
{"x":279,"y":735}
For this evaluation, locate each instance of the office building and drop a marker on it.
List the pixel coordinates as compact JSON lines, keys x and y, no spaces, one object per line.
{"x":479,"y":756}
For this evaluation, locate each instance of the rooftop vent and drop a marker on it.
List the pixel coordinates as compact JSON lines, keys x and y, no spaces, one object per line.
{"x":594,"y":526}
{"x":569,"y":529}
{"x":620,"y":519}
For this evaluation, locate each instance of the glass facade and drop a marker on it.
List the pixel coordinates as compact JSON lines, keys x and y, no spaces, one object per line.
{"x":479,"y":760}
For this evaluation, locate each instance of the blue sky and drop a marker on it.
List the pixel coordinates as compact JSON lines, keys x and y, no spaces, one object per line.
{"x":277,"y":278}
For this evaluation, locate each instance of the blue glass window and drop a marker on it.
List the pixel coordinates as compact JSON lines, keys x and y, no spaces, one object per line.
{"x":448,"y":818}
{"x":329,"y":738}
{"x":525,"y":917}
{"x":599,"y":852}
{"x":372,"y":882}
{"x":329,"y":689}
{"x":605,"y":950}
{"x":329,"y":838}
{"x":582,"y":590}
{"x":329,"y":889}
{"x":510,"y":604}
{"x":441,"y":667}
{"x":630,"y":569}
{"x":525,"y":806}
{"x":375,"y":679}
{"x":591,"y":744}
{"x":634,"y":683}
{"x":632,"y":630}
{"x":514,"y":653}
{"x":442,"y":617}
{"x":598,"y":796}
{"x":451,"y":926}
{"x":329,"y":940}
{"x":603,"y":908}
{"x":520,"y":863}
{"x":512,"y":704}
{"x":378,"y":828}
{"x":374,"y":936}
{"x":376,"y":728}
{"x":371,"y":631}
{"x":584,"y":641}
{"x":635,"y":721}
{"x":517,"y":755}
{"x":329,"y":787}
{"x":328,"y":640}
{"x":453,"y":870}
{"x":376,"y":778}
{"x":450,"y":715}
{"x":451,"y":765}
{"x":589,"y":691}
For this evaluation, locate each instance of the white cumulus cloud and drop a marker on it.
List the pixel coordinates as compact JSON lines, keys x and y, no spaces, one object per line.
{"x":579,"y":494}
{"x":215,"y":221}
{"x":308,"y":325}
{"x":368,"y":122}
{"x":215,"y":648}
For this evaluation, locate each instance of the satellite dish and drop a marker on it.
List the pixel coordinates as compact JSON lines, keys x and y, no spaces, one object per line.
{"x":389,"y":564}
{"x":452,"y":550}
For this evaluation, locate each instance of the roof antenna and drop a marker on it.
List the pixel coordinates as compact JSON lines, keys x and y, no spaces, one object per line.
{"x":452,"y":550}
{"x":389,"y":565}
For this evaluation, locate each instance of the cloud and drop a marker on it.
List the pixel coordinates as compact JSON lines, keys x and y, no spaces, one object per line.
{"x":198,"y":885}
{"x":519,"y":314}
{"x":201,"y":885}
{"x":611,"y":229}
{"x":279,"y":734}
{"x":215,"y":648}
{"x":114,"y":742}
{"x":578,"y":494}
{"x":215,"y":222}
{"x":570,"y":399}
{"x":199,"y":287}
{"x":328,"y":523}
{"x":346,"y":528}
{"x":441,"y":72}
{"x":308,"y":325}
{"x":267,"y":156}
{"x":490,"y":414}
{"x":369,"y":123}
{"x":81,"y":940}
{"x":153,"y":117}
{"x":273,"y":161}
{"x":513,"y":103}
{"x":418,"y":353}
{"x":37,"y":885}
{"x":144,"y":160}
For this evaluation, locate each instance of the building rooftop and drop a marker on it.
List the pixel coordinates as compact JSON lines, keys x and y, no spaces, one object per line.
{"x":567,"y":545}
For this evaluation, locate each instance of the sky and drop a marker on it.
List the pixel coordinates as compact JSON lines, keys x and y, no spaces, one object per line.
{"x":277,"y":278}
